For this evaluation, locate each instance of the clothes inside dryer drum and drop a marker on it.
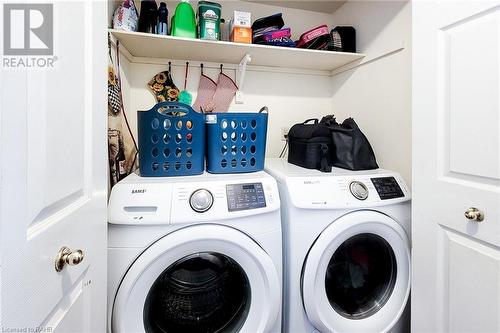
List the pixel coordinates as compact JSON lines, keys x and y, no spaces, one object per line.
{"x":360,"y":276}
{"x":203,"y":292}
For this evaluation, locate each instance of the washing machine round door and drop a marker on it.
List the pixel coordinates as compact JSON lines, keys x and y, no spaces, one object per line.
{"x":356,"y":277}
{"x":204,"y":278}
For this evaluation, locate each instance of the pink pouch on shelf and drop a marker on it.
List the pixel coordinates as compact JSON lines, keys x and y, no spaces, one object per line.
{"x":311,"y":35}
{"x":277,"y":34}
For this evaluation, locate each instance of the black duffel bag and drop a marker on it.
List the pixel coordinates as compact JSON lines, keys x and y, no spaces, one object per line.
{"x":351,"y":149}
{"x":309,"y":145}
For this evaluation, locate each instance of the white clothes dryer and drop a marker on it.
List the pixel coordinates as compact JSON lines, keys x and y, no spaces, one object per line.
{"x":346,"y":239}
{"x":195,"y":254}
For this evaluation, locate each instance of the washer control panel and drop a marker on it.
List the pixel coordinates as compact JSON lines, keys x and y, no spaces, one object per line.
{"x":245,"y":196}
{"x":201,"y":200}
{"x":358,"y":190}
{"x":387,"y":188}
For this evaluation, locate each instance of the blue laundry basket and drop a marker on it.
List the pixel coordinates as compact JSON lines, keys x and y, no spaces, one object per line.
{"x":236,"y":142}
{"x":171,"y":140}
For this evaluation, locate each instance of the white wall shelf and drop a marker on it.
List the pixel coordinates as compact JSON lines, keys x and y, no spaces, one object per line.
{"x":141,"y":45}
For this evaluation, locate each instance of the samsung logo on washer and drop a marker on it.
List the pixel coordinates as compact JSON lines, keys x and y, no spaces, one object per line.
{"x":139,"y":191}
{"x":311,"y":182}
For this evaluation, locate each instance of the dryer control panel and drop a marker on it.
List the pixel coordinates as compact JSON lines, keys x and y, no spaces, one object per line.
{"x":387,"y":188}
{"x":347,"y":191}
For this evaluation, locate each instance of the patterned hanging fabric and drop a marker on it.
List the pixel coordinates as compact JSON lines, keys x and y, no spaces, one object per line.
{"x":122,"y":147}
{"x":163,"y":87}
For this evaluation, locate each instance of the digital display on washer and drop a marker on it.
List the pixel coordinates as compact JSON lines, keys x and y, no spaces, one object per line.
{"x":387,"y":188}
{"x":245,"y":196}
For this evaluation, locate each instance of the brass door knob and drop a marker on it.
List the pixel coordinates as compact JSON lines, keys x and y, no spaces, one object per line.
{"x":67,"y":257}
{"x":474,"y":214}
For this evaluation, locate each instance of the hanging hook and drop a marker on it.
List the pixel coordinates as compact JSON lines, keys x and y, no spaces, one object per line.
{"x":169,"y":66}
{"x":201,"y":65}
{"x":221,"y":65}
{"x":186,"y":75}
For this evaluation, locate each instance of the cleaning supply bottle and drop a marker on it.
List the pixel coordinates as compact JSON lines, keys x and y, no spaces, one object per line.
{"x":209,"y":20}
{"x":184,"y":21}
{"x":162,"y":27}
{"x":224,"y":30}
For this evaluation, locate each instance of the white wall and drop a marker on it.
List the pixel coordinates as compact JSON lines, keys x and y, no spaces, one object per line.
{"x":378,"y":95}
{"x":290,"y":98}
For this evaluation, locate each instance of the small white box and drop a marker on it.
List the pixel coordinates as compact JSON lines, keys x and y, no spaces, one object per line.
{"x":242,"y":19}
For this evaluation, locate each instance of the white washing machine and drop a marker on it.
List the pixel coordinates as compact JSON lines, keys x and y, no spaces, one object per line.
{"x":346,"y":239}
{"x":195,"y":254}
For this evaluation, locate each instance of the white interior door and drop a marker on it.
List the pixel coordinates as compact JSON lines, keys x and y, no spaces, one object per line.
{"x":53,"y":178}
{"x":456,"y":166}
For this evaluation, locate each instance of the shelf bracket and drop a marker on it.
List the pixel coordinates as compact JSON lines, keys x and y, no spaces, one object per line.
{"x":242,"y":68}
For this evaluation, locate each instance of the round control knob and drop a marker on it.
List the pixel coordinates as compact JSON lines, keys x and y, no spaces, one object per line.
{"x":201,"y":200}
{"x":358,"y":190}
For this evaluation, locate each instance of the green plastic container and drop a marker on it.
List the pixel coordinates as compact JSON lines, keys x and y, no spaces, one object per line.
{"x":184,"y":21}
{"x":209,"y":20}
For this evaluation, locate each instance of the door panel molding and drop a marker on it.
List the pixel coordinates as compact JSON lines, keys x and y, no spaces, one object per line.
{"x":465,"y":261}
{"x":56,"y":212}
{"x":468,"y":111}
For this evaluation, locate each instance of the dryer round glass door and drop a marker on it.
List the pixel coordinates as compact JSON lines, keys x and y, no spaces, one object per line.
{"x":203,"y":278}
{"x":356,"y":276}
{"x":360,"y":276}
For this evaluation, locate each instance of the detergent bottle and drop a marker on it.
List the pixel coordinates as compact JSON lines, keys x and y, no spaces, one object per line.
{"x":184,"y":21}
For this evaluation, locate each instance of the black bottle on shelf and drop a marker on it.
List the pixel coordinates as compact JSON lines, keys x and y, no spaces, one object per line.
{"x":148,"y":17}
{"x":162,"y":27}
